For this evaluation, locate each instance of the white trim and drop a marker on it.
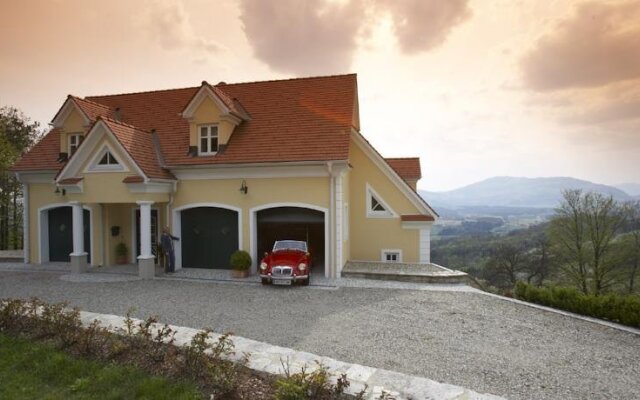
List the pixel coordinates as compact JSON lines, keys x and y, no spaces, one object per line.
{"x":346,"y":228}
{"x":43,"y":231}
{"x":388,"y":211}
{"x":253,"y":171}
{"x":134,"y":248}
{"x":417,"y":224}
{"x":95,"y":166}
{"x":204,"y":91}
{"x":384,"y":252}
{"x":339,"y":198}
{"x":393,"y":176}
{"x":150,"y":187}
{"x":25,"y":222}
{"x":36,"y":177}
{"x":177,"y":225}
{"x":253,"y":214}
{"x":64,"y":112}
{"x":209,"y":138}
{"x":425,"y":245}
{"x":93,"y":137}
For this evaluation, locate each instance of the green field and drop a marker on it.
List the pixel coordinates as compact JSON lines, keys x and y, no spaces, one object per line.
{"x":30,"y":370}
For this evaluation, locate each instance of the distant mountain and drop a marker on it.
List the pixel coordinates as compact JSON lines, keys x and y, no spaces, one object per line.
{"x":505,"y":191}
{"x":632,"y":189}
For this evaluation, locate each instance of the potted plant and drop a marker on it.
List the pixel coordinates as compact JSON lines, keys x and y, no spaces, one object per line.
{"x":240,"y":263}
{"x":121,"y":253}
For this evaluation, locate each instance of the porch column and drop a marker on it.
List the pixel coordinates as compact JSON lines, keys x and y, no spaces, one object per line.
{"x":425,"y":245}
{"x":146,"y":260}
{"x":79,"y":256}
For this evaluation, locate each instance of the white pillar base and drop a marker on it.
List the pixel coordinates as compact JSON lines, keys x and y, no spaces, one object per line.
{"x":146,"y":268}
{"x":78,"y":263}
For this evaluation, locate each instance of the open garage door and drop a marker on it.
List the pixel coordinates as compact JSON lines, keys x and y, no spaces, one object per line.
{"x":60,"y":232}
{"x":209,"y":237}
{"x":294,"y":223}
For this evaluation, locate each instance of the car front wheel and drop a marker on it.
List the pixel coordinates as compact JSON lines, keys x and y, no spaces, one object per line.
{"x":305,"y":282}
{"x":265,"y":281}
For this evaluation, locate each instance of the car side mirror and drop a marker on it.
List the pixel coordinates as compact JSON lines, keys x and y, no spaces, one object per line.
{"x":308,"y":254}
{"x":266,"y":254}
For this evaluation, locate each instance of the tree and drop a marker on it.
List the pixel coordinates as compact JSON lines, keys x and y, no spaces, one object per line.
{"x":583,"y":230}
{"x":508,"y":260}
{"x":632,"y":244}
{"x":17,"y":134}
{"x":541,"y":260}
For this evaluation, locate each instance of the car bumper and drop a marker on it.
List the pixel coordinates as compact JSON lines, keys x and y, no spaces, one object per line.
{"x":293,"y":279}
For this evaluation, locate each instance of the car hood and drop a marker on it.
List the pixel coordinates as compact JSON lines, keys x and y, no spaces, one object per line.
{"x":287,"y":257}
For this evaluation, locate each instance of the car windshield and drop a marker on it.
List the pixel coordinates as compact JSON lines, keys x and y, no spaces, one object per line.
{"x":290,"y":245}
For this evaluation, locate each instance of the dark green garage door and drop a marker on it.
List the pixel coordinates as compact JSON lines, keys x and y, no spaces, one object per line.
{"x":61,"y":234}
{"x":209,"y":237}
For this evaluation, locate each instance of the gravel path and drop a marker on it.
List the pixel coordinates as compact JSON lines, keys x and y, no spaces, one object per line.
{"x":463,"y":338}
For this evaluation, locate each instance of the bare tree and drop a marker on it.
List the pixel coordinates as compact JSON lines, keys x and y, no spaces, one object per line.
{"x":568,"y":232}
{"x":584,"y":229}
{"x":506,"y":263}
{"x":541,"y":261}
{"x":632,"y":243}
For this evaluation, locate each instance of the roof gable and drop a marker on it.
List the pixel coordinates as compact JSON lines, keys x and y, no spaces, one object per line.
{"x":67,"y":108}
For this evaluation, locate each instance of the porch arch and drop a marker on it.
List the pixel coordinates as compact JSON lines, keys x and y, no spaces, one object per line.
{"x":43,"y":231}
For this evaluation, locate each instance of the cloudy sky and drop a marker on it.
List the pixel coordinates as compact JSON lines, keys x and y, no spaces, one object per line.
{"x":476,"y":88}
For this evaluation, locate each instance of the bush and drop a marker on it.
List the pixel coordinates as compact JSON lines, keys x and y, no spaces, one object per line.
{"x":121,"y":250}
{"x":240,"y":261}
{"x":315,"y":385}
{"x":613,"y":307}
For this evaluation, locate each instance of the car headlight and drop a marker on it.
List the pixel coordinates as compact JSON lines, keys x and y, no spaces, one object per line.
{"x":302,"y":266}
{"x":263,"y":265}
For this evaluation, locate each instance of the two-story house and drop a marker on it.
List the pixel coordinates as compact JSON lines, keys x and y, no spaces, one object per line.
{"x":227,"y":167}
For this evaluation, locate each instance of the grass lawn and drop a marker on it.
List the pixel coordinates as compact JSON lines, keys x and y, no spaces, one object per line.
{"x":31,"y":370}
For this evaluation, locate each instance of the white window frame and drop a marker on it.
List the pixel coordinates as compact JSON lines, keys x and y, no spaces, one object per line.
{"x":78,"y":138}
{"x":385,"y":252}
{"x":388,"y":211}
{"x":95,"y":165}
{"x":209,"y":137}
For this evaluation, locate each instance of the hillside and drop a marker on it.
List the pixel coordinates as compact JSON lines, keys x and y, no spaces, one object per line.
{"x":632,"y":189}
{"x":507,"y":191}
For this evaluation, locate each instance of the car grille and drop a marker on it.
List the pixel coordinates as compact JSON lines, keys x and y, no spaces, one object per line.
{"x":282,"y":271}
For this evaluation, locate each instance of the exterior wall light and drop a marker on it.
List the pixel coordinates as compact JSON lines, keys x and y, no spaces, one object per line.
{"x":59,"y":192}
{"x":243,"y":187}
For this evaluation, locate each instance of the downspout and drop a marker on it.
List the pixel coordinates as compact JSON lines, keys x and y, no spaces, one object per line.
{"x":25,"y":221}
{"x":332,"y":245}
{"x":170,"y":204}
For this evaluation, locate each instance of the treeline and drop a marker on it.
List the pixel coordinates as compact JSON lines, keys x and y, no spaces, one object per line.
{"x":17,"y":134}
{"x":592,"y":243}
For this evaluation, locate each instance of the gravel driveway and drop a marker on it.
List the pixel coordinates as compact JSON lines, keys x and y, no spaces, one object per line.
{"x":467,"y":339}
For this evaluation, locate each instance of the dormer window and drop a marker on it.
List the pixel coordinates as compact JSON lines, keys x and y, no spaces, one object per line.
{"x":74,"y":142}
{"x":208,"y":140}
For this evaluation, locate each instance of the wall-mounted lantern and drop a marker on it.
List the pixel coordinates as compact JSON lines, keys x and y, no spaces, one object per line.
{"x":243,"y":187}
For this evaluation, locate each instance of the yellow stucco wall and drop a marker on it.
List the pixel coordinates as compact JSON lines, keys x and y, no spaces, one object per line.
{"x":262,"y":191}
{"x":368,"y":236}
{"x":209,"y":113}
{"x":42,"y":195}
{"x":74,"y":123}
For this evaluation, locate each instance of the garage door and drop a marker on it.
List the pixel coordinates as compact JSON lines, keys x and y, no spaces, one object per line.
{"x":209,"y":237}
{"x":60,"y":222}
{"x":294,"y":223}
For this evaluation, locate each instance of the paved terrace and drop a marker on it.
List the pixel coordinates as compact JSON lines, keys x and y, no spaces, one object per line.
{"x":448,"y":333}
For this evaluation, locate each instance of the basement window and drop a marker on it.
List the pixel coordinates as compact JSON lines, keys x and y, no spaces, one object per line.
{"x":394,"y":255}
{"x":208,"y":140}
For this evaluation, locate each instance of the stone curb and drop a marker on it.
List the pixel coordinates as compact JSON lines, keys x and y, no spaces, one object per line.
{"x":266,"y":358}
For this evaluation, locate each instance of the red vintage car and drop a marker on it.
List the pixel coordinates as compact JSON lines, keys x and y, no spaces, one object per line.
{"x":288,"y":263}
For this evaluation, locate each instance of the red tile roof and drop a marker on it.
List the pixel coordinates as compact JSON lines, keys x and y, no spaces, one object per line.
{"x":416,"y":218}
{"x":70,"y":181}
{"x":306,"y":119}
{"x":408,"y":168}
{"x":139,"y":145}
{"x":133,"y":179}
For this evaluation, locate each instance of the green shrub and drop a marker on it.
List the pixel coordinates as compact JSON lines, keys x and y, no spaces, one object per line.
{"x":240,"y":261}
{"x":121,"y":250}
{"x":316,"y":385}
{"x":613,"y":307}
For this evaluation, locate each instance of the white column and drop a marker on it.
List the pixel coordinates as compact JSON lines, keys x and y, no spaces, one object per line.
{"x":425,"y":245}
{"x":78,"y":229}
{"x":145,"y":229}
{"x":338,"y":224}
{"x":25,"y":222}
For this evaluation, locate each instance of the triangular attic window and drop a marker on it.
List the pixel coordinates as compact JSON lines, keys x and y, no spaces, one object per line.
{"x":376,"y":206}
{"x":108,"y":159}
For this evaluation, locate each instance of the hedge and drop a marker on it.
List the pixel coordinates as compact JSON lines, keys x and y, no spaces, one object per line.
{"x":613,"y":307}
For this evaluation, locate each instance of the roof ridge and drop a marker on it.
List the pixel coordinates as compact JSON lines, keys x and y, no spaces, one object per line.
{"x":222,"y":86}
{"x":92,"y":102}
{"x":401,"y":158}
{"x":115,"y":121}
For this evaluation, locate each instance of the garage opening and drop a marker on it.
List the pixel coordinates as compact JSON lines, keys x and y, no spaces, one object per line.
{"x":294,"y":223}
{"x":209,"y":237}
{"x":60,"y":233}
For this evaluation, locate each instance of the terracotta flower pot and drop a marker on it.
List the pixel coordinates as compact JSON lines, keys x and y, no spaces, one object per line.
{"x":239,"y":274}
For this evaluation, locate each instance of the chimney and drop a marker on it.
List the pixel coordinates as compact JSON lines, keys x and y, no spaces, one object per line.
{"x":118,"y":114}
